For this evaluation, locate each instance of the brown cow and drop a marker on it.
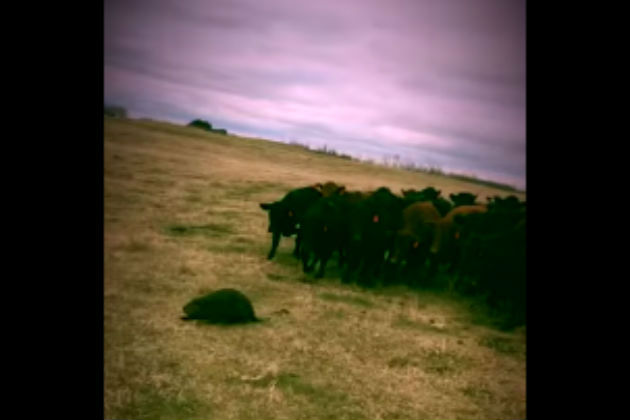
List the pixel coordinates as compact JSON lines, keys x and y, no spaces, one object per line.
{"x":415,"y":237}
{"x":329,"y":188}
{"x":445,"y":246}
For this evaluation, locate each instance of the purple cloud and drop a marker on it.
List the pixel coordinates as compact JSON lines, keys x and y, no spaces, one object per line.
{"x":441,"y":82}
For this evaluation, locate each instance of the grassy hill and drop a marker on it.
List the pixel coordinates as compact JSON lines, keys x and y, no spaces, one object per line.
{"x":182,"y":219}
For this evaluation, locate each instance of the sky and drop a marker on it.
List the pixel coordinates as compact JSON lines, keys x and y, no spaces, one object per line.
{"x":438,"y":83}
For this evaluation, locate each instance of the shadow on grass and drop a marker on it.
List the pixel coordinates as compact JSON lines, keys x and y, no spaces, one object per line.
{"x":503,"y":345}
{"x":403,"y":322}
{"x":352,"y":300}
{"x":211,"y":229}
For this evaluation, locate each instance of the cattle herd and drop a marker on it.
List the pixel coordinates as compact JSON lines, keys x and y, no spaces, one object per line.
{"x":381,"y":237}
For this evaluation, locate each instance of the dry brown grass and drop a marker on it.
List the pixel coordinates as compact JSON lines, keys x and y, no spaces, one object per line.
{"x":182,"y":218}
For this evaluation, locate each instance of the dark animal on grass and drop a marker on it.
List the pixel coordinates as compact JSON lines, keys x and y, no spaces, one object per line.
{"x":431,"y":193}
{"x":225,"y":306}
{"x":412,"y":241}
{"x":446,"y":242}
{"x":502,"y":215}
{"x":442,"y":205}
{"x":373,"y":225}
{"x":463,"y":199}
{"x":285,"y":216}
{"x":323,"y":231}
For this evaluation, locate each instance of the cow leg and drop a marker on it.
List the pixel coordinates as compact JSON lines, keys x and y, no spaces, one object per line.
{"x":351,"y":263}
{"x":346,"y":277}
{"x":363,"y":271}
{"x":391,"y":272}
{"x":322,"y":265}
{"x":434,"y":263}
{"x":306,"y":256}
{"x":275,"y":240}
{"x":342,"y":257}
{"x":296,"y":251}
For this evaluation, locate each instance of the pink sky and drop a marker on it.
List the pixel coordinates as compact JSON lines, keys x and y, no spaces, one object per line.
{"x":438,"y":82}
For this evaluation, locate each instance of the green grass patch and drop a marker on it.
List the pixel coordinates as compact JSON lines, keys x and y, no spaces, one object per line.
{"x":319,"y":394}
{"x":476,"y":393}
{"x":148,"y":403}
{"x":211,"y":229}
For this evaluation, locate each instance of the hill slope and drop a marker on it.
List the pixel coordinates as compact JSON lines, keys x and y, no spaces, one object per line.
{"x":182,"y":218}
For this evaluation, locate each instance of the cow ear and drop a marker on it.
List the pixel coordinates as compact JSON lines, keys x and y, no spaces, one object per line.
{"x":341,"y":190}
{"x":266,"y":206}
{"x":318,"y":186}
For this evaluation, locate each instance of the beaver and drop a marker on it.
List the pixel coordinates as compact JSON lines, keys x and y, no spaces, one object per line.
{"x":224,"y":306}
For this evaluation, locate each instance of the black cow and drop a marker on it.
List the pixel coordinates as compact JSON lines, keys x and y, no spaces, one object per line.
{"x":285,"y":215}
{"x":413,"y":240}
{"x":373,"y":223}
{"x":330,"y":188}
{"x":463,"y":199}
{"x":427,"y":194}
{"x":446,"y":246}
{"x":510,"y":204}
{"x":322,"y":232}
{"x":496,"y":264}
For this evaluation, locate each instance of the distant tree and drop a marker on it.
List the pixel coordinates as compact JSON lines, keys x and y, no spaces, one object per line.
{"x":220,"y":131}
{"x":205,"y":125}
{"x":115,"y":111}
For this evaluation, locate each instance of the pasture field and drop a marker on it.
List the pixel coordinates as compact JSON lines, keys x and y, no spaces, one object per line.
{"x":182,"y":219}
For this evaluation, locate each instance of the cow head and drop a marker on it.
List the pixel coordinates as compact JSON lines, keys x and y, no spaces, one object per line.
{"x":281,"y":218}
{"x":329,"y":189}
{"x":463,"y":199}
